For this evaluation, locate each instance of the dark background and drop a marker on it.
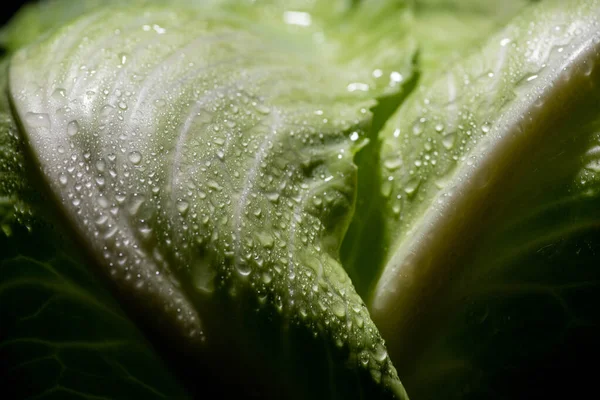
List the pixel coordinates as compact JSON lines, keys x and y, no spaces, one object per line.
{"x":10,"y":7}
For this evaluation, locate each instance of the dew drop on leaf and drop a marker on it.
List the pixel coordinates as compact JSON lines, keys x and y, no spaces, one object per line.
{"x":135,"y":157}
{"x":72,"y":128}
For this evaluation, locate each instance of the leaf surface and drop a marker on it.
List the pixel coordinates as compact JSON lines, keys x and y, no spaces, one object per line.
{"x":206,"y":161}
{"x":501,"y":133}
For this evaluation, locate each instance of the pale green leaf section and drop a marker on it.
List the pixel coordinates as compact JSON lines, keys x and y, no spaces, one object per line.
{"x":450,"y":145}
{"x":447,"y":30}
{"x":444,"y":31}
{"x":206,"y":160}
{"x":38,"y":18}
{"x":377,"y":28}
{"x":525,"y":301}
{"x":62,"y":332}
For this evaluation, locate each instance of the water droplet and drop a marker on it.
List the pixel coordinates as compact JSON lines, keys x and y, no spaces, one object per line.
{"x":396,"y":77}
{"x":145,"y":231}
{"x":298,"y":18}
{"x":103,"y":202}
{"x":354,"y":86}
{"x":448,"y":141}
{"x":72,"y":128}
{"x":265,"y":239}
{"x":214,"y":185}
{"x":100,"y":165}
{"x":363,"y":357}
{"x":412,"y":186}
{"x":106,"y":111}
{"x":37,"y":120}
{"x":261,"y":108}
{"x":111,"y":232}
{"x":418,"y":127}
{"x":136,"y":204}
{"x":360,"y":322}
{"x":531,"y":78}
{"x":273,"y":196}
{"x":135,"y":157}
{"x":339,"y":310}
{"x":386,"y":189}
{"x":59,"y":94}
{"x":267,"y":277}
{"x":62,"y":179}
{"x":243,"y":268}
{"x":379,"y":353}
{"x":393,"y":163}
{"x":101,"y":220}
{"x":182,"y":206}
{"x":485,"y":128}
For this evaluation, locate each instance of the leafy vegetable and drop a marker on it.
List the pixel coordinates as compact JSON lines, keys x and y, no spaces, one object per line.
{"x":201,"y":193}
{"x":205,"y":189}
